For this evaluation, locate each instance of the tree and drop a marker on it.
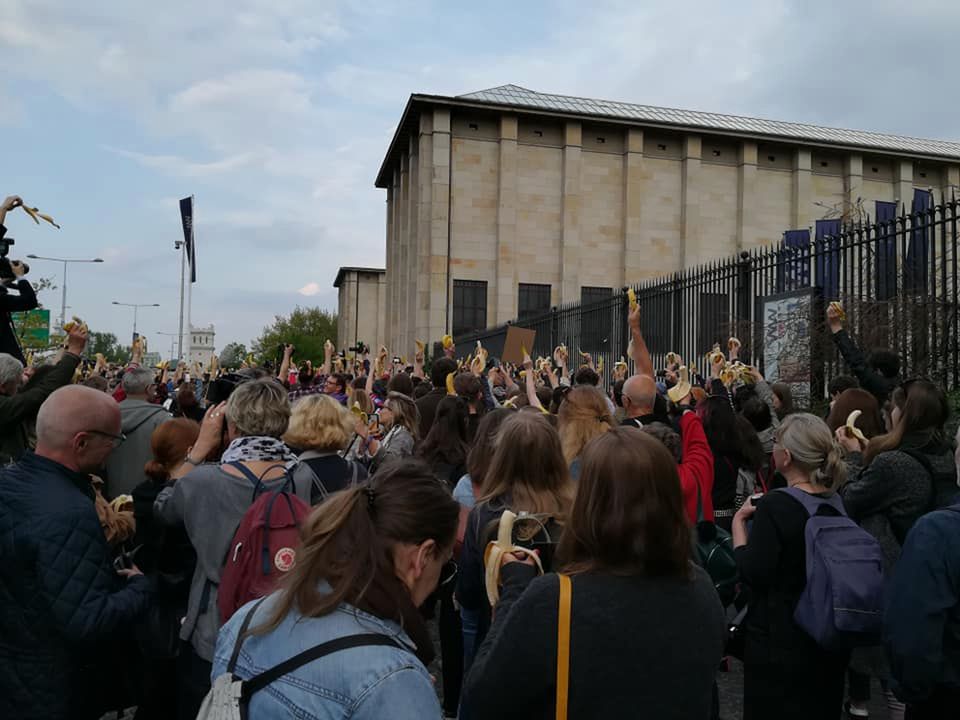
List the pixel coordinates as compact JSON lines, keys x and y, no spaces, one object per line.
{"x":306,"y":328}
{"x":233,"y":354}
{"x":106,"y":344}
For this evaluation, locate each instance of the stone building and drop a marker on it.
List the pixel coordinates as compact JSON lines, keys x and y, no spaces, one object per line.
{"x":506,"y":201}
{"x":200,"y":344}
{"x":361,"y":307}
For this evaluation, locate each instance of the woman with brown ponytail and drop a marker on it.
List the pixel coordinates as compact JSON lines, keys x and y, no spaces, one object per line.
{"x":370,"y":556}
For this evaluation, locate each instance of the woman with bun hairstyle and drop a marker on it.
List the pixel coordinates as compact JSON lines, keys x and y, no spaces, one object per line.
{"x":786,"y":673}
{"x":370,"y":556}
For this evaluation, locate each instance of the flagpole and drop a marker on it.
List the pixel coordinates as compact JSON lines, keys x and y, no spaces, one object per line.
{"x":193,"y":251}
{"x":183,"y":262}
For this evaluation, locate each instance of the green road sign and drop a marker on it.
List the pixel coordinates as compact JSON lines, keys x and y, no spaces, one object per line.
{"x":33,"y":328}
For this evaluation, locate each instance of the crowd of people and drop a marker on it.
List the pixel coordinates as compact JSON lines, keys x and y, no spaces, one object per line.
{"x":128,"y":497}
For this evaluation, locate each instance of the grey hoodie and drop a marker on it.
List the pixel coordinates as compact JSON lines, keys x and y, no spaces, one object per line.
{"x":138,"y":420}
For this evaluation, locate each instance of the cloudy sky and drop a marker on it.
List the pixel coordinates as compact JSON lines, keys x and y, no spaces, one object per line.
{"x":276,"y":114}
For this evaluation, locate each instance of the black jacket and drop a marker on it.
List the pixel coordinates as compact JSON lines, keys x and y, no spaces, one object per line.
{"x":639,"y":647}
{"x":870,"y":380}
{"x":26,"y":300}
{"x":59,"y":594}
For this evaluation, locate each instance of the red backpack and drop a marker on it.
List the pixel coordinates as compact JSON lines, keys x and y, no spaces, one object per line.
{"x":264,"y":546}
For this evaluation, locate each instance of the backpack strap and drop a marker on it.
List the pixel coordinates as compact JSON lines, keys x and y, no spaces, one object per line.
{"x":812,"y":504}
{"x":924,"y":460}
{"x":241,"y":636}
{"x":258,"y":682}
{"x":258,"y":482}
{"x":563,"y":646}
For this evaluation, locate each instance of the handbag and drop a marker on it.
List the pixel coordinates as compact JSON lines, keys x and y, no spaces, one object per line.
{"x":563,"y":646}
{"x":715,"y":553}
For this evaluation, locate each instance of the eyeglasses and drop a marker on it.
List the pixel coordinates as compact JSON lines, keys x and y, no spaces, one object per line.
{"x":448,"y":573}
{"x":117,"y":440}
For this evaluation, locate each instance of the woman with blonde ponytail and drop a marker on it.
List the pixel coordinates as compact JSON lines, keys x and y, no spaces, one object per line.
{"x":370,"y":556}
{"x":786,"y":673}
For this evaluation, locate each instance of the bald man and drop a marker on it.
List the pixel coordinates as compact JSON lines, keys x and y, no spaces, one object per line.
{"x":60,"y":596}
{"x":639,"y":398}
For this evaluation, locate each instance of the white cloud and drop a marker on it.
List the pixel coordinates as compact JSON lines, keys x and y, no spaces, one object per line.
{"x":309,"y":289}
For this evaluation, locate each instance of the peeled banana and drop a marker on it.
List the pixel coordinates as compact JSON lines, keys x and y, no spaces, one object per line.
{"x":358,"y":411}
{"x":493,"y":555}
{"x":75,"y":323}
{"x":851,"y":429}
{"x":679,"y":391}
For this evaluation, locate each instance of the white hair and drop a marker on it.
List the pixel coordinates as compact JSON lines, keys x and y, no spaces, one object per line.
{"x":136,"y":381}
{"x":11,"y":369}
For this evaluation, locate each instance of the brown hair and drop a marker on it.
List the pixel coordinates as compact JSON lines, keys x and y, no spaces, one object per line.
{"x":583,"y":416}
{"x":401,"y":383}
{"x":405,"y":412}
{"x":785,"y":396}
{"x":348,"y":540}
{"x":169,"y":444}
{"x":630,"y":480}
{"x":362,"y":399}
{"x":923,"y":410}
{"x":528,"y":467}
{"x":484,"y":445}
{"x":870,"y":421}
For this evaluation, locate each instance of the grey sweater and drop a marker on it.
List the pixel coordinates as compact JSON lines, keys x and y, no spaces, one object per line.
{"x":210,"y":503}
{"x":887,"y":497}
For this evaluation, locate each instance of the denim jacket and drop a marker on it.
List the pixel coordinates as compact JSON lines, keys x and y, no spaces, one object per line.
{"x":362,"y":683}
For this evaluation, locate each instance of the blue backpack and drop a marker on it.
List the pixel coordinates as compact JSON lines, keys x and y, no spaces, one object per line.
{"x":842,"y":604}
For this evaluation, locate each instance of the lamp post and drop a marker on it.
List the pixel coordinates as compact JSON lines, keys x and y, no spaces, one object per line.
{"x":63,"y":296}
{"x":172,"y":337}
{"x":136,"y":306}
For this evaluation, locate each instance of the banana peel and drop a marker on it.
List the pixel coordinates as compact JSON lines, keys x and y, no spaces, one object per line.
{"x":851,"y":430}
{"x":733,"y":343}
{"x":493,"y":555}
{"x":632,"y":299}
{"x":358,"y":411}
{"x":838,"y":308}
{"x":447,"y":342}
{"x":420,"y":345}
{"x":679,"y":391}
{"x":75,"y":323}
{"x":600,"y":365}
{"x":38,"y":216}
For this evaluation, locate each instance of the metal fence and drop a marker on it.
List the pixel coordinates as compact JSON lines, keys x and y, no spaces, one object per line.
{"x":897,"y":281}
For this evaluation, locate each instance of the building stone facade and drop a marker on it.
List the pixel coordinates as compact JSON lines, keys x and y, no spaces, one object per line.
{"x":361,"y":307}
{"x":513,"y":188}
{"x":201,"y":345}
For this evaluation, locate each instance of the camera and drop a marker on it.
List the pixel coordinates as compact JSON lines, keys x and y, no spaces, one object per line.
{"x":359,"y":349}
{"x":7,"y":273}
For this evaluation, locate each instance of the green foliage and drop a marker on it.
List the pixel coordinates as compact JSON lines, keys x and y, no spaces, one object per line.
{"x":233,"y":354}
{"x":106,"y":343}
{"x":306,"y":328}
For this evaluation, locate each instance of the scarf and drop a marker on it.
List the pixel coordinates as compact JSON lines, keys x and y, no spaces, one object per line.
{"x":254,"y":448}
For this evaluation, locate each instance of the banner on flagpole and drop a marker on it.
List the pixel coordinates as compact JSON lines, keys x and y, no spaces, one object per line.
{"x":186,"y":217}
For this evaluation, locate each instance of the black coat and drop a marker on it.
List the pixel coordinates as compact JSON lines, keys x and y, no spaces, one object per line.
{"x":59,"y":595}
{"x":870,"y":380}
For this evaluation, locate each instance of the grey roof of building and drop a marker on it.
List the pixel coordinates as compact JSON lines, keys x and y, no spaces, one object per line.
{"x":344,"y":270}
{"x":513,"y":96}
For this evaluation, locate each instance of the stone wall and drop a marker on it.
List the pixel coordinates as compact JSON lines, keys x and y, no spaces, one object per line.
{"x":534,"y":199}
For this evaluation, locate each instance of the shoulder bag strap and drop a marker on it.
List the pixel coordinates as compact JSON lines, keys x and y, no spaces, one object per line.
{"x":258,"y":682}
{"x":354,"y":473}
{"x":563,"y":647}
{"x":241,"y":636}
{"x":924,"y":460}
{"x":316,"y":482}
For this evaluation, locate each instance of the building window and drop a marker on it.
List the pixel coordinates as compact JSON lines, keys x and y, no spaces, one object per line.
{"x":596,"y":317}
{"x":469,"y":306}
{"x":533,"y":300}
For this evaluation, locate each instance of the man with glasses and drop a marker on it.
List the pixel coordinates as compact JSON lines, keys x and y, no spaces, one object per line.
{"x":60,"y":597}
{"x":139,"y":418}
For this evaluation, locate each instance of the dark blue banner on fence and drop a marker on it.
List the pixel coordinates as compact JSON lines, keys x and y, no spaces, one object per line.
{"x":793,"y":266}
{"x":886,"y":270}
{"x":827,"y":240}
{"x":916,"y":265}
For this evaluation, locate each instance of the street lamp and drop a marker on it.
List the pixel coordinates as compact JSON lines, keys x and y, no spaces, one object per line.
{"x":172,"y":337}
{"x":136,"y":306}
{"x":63,"y":296}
